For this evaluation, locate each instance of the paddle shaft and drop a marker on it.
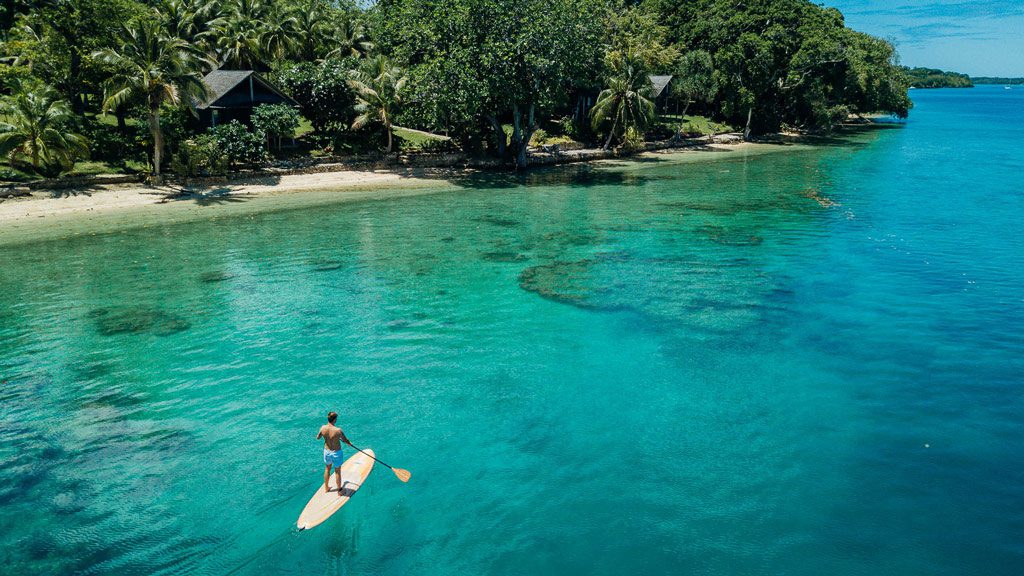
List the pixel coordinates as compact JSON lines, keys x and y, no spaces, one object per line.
{"x":370,"y":455}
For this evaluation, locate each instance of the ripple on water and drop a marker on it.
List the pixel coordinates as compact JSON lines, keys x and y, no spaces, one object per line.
{"x":729,"y":236}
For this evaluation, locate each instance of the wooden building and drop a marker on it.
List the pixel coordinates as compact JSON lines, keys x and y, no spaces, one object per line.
{"x":232,"y":94}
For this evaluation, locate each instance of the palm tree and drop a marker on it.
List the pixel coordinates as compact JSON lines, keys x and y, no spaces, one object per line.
{"x":191,"y":20}
{"x":378,"y":86}
{"x":351,"y":40}
{"x":158,"y":69}
{"x":35,"y":125}
{"x":279,"y":33}
{"x":312,"y":22}
{"x":626,"y":101}
{"x":240,"y":34}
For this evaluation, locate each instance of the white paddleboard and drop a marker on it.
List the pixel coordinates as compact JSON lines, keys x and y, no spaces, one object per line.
{"x":320,"y":507}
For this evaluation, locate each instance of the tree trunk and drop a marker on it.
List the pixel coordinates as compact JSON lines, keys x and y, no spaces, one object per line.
{"x":389,"y":138}
{"x":685,"y":108}
{"x":746,"y":130}
{"x":158,"y":139}
{"x":517,"y":134}
{"x":527,"y":133}
{"x":611,"y":133}
{"x":74,"y":74}
{"x":499,"y":135}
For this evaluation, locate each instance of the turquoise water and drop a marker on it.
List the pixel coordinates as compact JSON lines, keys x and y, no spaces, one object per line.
{"x":802,"y":362}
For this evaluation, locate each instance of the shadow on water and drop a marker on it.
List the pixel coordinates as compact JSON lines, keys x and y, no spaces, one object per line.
{"x":137,"y":320}
{"x":214,"y":276}
{"x":576,"y":175}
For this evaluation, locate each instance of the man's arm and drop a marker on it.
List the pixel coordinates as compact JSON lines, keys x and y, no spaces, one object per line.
{"x":343,"y":437}
{"x":320,"y":434}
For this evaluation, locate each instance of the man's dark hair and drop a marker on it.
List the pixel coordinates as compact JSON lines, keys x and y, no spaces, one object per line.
{"x":332,"y":416}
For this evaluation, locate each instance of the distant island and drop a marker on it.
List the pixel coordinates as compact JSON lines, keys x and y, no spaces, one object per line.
{"x":935,"y":78}
{"x":997,"y":80}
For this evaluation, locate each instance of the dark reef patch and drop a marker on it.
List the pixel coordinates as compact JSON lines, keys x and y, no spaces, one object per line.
{"x":572,"y":283}
{"x":497,"y":221}
{"x":137,"y":320}
{"x":214,"y":276}
{"x":327,"y":265}
{"x":501,"y":256}
{"x":93,"y":370}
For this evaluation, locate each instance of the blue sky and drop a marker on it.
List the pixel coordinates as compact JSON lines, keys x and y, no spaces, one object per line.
{"x":980,"y":38}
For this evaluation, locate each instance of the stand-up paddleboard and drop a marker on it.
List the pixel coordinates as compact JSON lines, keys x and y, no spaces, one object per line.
{"x":320,"y":507}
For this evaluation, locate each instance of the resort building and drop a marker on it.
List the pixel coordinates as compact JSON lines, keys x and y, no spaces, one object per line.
{"x":232,"y":94}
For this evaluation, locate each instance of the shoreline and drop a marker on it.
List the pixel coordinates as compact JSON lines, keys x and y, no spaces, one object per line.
{"x":66,"y":213}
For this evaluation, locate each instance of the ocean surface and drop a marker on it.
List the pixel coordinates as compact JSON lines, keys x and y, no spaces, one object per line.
{"x":801,"y":362}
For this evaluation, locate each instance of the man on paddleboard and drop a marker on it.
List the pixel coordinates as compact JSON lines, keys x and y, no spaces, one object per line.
{"x":333,"y":437}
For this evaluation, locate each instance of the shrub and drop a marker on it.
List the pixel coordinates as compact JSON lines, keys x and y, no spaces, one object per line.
{"x":239,"y":144}
{"x":110,"y":144}
{"x":200,"y":156}
{"x":322,"y":91}
{"x":569,"y":127}
{"x":632,"y":139}
{"x":276,"y":121}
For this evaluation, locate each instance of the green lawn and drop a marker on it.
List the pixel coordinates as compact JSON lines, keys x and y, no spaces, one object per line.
{"x":305,"y":127}
{"x":95,"y":167}
{"x":693,"y":125}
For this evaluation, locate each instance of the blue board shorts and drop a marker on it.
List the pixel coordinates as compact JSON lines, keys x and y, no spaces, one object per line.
{"x":335,"y":458}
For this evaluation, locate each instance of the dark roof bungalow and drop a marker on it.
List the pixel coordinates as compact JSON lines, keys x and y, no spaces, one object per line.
{"x":232,"y":94}
{"x":658,"y":91}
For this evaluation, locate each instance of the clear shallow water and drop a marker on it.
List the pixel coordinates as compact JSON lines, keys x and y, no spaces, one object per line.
{"x":727,"y":367}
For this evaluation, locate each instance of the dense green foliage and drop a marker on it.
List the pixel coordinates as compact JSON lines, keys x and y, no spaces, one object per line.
{"x":156,"y":69}
{"x":378,"y":86}
{"x":489,"y":74}
{"x":932,"y":78}
{"x":241,"y":145}
{"x":626,"y":103}
{"x":37,"y":131}
{"x":277,"y":121}
{"x":787,"y":62}
{"x":200,"y":156}
{"x":997,"y":80}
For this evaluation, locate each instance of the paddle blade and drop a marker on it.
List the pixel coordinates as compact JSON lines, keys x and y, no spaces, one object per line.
{"x":402,"y":475}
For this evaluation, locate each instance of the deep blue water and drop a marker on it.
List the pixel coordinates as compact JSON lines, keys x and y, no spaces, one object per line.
{"x":801,"y":362}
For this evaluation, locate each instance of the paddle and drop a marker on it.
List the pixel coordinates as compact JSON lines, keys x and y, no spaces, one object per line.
{"x":402,"y":475}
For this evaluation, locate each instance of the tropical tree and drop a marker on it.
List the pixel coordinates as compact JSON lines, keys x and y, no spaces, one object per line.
{"x":275,"y":121}
{"x":239,"y":34}
{"x":36,"y":127}
{"x":378,"y":86}
{"x":626,"y":102}
{"x":158,"y":69}
{"x":312,"y":21}
{"x":695,"y":79}
{"x":278,"y":33}
{"x":350,"y":39}
{"x":191,"y":20}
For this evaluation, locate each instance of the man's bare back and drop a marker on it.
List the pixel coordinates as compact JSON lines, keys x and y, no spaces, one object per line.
{"x":332,"y":436}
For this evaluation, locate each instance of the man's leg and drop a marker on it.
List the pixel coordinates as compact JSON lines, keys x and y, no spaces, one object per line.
{"x":327,"y":478}
{"x":337,"y":476}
